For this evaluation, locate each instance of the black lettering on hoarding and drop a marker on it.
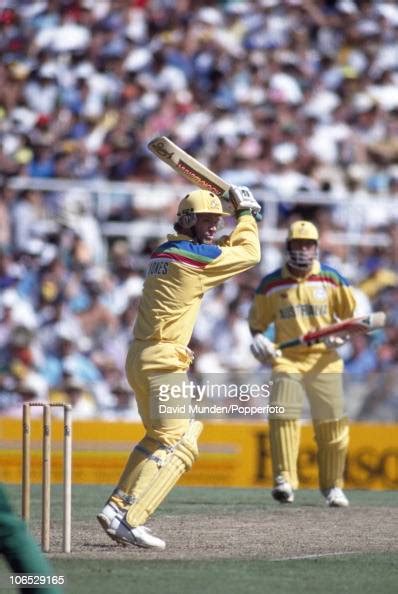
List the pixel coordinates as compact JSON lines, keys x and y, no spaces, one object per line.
{"x":263,"y":455}
{"x":307,"y":466}
{"x":389,"y":465}
{"x":368,"y":465}
{"x":365,"y":467}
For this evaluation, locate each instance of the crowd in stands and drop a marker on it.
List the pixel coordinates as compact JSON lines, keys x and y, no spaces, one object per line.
{"x":286,"y":96}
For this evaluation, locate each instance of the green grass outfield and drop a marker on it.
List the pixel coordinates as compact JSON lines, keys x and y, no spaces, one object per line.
{"x":362,"y":574}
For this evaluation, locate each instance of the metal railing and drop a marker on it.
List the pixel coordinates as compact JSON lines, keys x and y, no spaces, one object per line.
{"x":101,"y":194}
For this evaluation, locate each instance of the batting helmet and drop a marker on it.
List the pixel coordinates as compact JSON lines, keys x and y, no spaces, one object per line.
{"x":201,"y":201}
{"x":303,"y":230}
{"x":298,"y":258}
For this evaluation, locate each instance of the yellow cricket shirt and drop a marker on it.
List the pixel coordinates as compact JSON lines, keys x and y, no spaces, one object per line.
{"x":179,"y":273}
{"x":297,"y":305}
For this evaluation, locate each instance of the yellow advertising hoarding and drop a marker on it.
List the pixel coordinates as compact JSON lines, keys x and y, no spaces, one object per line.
{"x":232,"y":454}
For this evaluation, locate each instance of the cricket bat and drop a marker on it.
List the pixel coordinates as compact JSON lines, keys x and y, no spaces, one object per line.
{"x":360,"y":325}
{"x":190,"y":168}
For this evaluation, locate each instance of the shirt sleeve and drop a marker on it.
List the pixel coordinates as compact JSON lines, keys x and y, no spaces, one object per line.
{"x":261,"y":314}
{"x":240,"y":252}
{"x":344,"y":302}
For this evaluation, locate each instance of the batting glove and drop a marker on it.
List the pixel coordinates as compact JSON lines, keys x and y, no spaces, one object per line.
{"x":334,"y":342}
{"x":242,"y":199}
{"x":264,"y":349}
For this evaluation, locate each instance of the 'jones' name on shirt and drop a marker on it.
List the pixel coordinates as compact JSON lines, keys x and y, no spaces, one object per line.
{"x":156,"y":268}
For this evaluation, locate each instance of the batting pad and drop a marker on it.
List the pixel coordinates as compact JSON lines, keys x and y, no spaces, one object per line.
{"x":142,"y":466}
{"x":332,"y":438}
{"x":175,"y":465}
{"x":288,"y":392}
{"x":284,"y":439}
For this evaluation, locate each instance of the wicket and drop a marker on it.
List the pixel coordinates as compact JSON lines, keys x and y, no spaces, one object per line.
{"x":46,"y":472}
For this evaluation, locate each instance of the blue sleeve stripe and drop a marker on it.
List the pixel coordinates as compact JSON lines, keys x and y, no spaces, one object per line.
{"x":335,"y":274}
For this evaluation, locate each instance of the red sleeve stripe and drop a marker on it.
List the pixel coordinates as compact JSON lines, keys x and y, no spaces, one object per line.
{"x":179,"y":258}
{"x":324,"y":279}
{"x":280,"y":283}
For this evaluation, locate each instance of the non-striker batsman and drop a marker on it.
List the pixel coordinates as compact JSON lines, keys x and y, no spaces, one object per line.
{"x":304,"y":295}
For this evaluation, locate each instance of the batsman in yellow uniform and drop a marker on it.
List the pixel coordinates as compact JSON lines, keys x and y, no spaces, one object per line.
{"x":180,"y":272}
{"x":304,"y":295}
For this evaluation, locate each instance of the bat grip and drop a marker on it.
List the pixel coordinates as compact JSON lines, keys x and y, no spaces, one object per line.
{"x":288,"y":344}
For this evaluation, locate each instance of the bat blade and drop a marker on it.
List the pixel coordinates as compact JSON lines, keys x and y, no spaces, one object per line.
{"x":360,"y":325}
{"x":187,"y":166}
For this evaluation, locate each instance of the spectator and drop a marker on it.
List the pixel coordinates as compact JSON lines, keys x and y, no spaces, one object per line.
{"x":363,"y":358}
{"x":75,"y":393}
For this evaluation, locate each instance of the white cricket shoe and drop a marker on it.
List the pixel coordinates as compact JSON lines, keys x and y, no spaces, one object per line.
{"x":110,"y":513}
{"x":141,"y":536}
{"x":111,"y":519}
{"x":335,"y":497}
{"x":283,"y":492}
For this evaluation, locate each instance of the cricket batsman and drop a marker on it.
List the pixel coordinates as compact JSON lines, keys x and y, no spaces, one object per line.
{"x":304,"y":295}
{"x":180,"y":272}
